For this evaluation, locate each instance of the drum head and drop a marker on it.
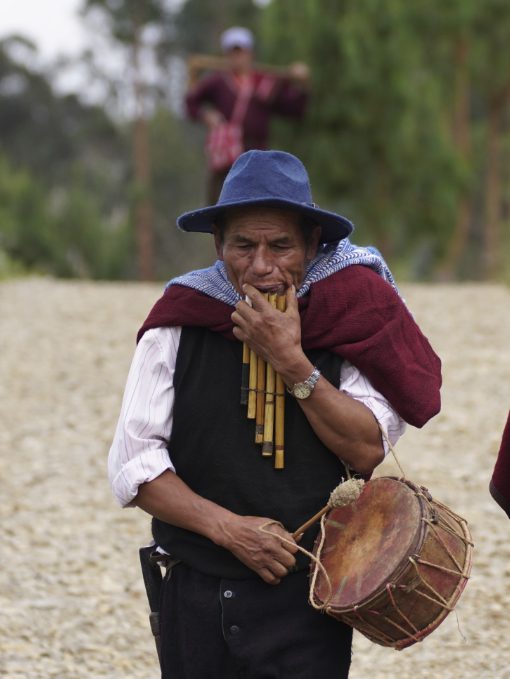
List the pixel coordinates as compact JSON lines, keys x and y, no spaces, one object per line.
{"x":367,"y":541}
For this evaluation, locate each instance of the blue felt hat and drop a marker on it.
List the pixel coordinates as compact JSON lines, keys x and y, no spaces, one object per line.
{"x":272,"y":178}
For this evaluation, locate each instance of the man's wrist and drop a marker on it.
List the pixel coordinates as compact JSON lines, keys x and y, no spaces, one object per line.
{"x":300,"y":369}
{"x":304,"y":389}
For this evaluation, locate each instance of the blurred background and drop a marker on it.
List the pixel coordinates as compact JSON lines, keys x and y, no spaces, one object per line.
{"x":407,"y":131}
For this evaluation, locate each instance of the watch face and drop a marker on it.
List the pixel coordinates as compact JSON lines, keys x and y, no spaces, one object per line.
{"x":301,"y":390}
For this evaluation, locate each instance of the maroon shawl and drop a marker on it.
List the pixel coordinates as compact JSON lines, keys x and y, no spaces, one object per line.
{"x":500,"y":482}
{"x":353,"y":313}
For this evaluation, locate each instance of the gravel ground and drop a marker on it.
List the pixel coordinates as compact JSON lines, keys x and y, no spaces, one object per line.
{"x":72,"y":603}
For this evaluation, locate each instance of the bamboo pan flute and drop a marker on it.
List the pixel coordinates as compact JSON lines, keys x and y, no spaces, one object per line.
{"x":263,"y":392}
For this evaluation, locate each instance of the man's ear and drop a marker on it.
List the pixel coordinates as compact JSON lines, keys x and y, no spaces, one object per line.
{"x":218,"y":242}
{"x":313,"y":243}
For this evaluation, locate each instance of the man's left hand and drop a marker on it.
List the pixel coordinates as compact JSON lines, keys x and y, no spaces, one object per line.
{"x":274,"y":335}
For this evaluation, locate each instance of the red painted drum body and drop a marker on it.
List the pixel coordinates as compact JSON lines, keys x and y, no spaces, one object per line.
{"x":396,"y":560}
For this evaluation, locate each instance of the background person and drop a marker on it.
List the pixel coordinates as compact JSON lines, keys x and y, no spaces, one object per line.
{"x":353,"y":359}
{"x":237,"y":104}
{"x":499,"y":486}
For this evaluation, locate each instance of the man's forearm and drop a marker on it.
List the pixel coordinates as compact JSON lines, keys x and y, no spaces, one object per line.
{"x":346,"y":426}
{"x":168,"y":498}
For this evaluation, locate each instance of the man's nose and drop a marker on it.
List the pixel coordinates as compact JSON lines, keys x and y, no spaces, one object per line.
{"x":262,"y":262}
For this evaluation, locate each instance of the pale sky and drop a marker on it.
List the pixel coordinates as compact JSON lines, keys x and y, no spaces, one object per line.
{"x":53,"y":25}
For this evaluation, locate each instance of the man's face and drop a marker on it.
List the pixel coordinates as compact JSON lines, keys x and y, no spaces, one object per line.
{"x":266,"y":248}
{"x":239,"y":58}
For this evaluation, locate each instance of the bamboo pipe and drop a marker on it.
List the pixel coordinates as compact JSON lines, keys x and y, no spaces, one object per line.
{"x":279,"y":459}
{"x":260,"y":400}
{"x":261,"y":394}
{"x":252,"y":387}
{"x":268,"y":438}
{"x":245,"y":375}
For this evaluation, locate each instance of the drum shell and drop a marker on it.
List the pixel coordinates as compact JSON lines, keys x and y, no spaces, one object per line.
{"x":419,"y":590}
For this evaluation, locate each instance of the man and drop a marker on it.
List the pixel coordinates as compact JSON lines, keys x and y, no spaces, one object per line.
{"x":184,"y":451}
{"x":499,"y":486}
{"x":237,"y":104}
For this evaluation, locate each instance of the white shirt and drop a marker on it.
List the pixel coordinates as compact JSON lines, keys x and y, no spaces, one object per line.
{"x":139,"y":450}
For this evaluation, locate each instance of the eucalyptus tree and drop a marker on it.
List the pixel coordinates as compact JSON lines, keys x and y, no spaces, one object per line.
{"x":61,"y":163}
{"x":492,"y":77}
{"x":377,"y":137}
{"x":135,"y":26}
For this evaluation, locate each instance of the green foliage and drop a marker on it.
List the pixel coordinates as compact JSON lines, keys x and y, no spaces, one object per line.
{"x":176,"y":187}
{"x":379,"y":140}
{"x":492,"y":59}
{"x":58,"y":232}
{"x":26,"y":235}
{"x":62,"y":169}
{"x":44,"y":132}
{"x":376,"y":136}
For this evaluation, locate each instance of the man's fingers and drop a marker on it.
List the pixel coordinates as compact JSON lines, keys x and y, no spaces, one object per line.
{"x":256,"y":298}
{"x":291,"y":548}
{"x":292,"y":302}
{"x":269,"y":577}
{"x":284,"y":548}
{"x":279,"y":570}
{"x":274,"y":572}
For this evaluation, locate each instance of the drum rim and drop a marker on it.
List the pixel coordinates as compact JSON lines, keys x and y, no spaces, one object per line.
{"x":404,"y":563}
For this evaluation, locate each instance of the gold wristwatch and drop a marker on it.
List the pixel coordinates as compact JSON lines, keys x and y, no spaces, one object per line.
{"x":303,"y":390}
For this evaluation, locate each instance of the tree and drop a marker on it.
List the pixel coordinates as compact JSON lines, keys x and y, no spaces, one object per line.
{"x":492,"y":74}
{"x":376,"y":112}
{"x":128,"y":22}
{"x":61,"y":167}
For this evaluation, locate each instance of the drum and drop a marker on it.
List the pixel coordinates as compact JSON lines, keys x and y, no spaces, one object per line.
{"x":395,"y":562}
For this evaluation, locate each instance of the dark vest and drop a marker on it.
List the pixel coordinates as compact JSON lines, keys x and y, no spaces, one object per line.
{"x":212,"y":447}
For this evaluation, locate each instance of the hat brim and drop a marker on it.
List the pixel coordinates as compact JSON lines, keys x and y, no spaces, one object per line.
{"x":333,"y":227}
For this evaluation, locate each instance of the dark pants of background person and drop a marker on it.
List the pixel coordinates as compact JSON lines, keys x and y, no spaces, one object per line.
{"x":214,"y":628}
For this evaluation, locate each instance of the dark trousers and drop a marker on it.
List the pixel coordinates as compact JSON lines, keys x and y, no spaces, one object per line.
{"x":214,"y":628}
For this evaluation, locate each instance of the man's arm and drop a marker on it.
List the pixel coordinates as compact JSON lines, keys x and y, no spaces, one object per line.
{"x":201,"y":104}
{"x":345,"y":426}
{"x":499,"y":486}
{"x":141,"y":472}
{"x":168,"y":498}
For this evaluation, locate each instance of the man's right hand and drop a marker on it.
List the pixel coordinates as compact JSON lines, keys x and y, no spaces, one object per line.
{"x":254,"y":541}
{"x":212,"y":118}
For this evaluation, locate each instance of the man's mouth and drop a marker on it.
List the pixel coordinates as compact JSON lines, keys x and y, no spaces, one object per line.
{"x":278,"y":289}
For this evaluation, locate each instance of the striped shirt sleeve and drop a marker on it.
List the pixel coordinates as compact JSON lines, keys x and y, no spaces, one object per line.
{"x":139,"y":450}
{"x":357,"y":386}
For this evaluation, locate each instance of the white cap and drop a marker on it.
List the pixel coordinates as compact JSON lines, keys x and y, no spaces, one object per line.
{"x":236,"y":37}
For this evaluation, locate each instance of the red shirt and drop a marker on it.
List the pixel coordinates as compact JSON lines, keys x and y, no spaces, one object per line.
{"x":271,"y":96}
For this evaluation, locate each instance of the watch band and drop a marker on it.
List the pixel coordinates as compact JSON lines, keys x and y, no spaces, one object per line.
{"x":303,"y":389}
